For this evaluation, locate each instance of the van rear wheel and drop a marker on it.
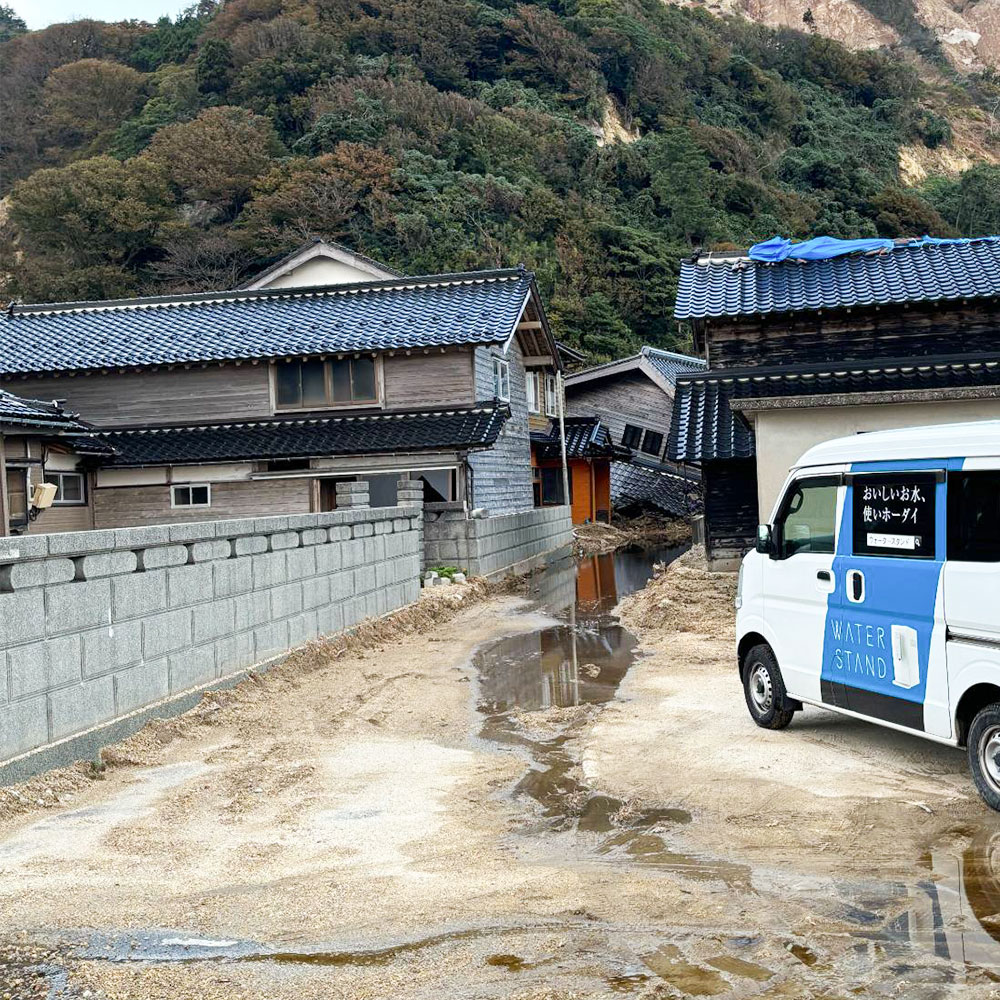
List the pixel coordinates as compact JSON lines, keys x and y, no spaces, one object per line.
{"x":764,"y":689}
{"x":984,"y":754}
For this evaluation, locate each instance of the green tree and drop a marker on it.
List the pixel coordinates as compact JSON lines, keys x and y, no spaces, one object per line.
{"x":215,"y":158}
{"x":82,"y":100}
{"x":214,"y":66}
{"x":10,"y":24}
{"x":88,"y":227}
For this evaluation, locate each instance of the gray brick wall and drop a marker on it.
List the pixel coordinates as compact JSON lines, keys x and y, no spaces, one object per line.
{"x":490,"y":546}
{"x":501,"y":477}
{"x":95,"y":625}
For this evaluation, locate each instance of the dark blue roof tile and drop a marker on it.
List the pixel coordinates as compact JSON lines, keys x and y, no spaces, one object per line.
{"x":910,"y":272}
{"x":431,"y":311}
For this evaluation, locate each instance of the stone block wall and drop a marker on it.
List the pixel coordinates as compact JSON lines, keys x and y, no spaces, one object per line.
{"x":98,"y":625}
{"x":489,"y":546}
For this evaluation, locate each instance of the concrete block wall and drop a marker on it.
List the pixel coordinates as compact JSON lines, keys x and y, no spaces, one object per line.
{"x":489,"y":546}
{"x":99,"y":624}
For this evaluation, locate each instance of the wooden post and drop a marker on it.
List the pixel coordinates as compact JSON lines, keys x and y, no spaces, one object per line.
{"x":4,"y":502}
{"x":562,"y":441}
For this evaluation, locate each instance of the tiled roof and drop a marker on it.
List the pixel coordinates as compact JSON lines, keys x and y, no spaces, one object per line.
{"x":910,"y":272}
{"x":308,"y":437}
{"x":704,"y":426}
{"x":670,"y":365}
{"x":661,"y":367}
{"x":636,"y":487}
{"x":586,"y":437}
{"x":46,"y":419}
{"x":431,"y":311}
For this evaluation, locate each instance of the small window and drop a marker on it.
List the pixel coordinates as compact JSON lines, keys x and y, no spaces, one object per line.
{"x":652,"y":442}
{"x":501,"y":380}
{"x":312,"y":384}
{"x":70,"y":488}
{"x":632,"y":436}
{"x":551,"y":399}
{"x":808,"y":517}
{"x":894,"y":515}
{"x":974,"y":516}
{"x":532,"y":392}
{"x":192,"y":495}
{"x":552,"y":487}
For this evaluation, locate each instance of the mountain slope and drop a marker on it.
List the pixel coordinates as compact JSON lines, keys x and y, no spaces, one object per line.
{"x":597,"y":141}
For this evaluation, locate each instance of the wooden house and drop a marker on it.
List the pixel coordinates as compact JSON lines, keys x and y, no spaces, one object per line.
{"x":634,"y":398}
{"x":42,"y":443}
{"x":257,"y":401}
{"x":589,"y":454}
{"x":802,"y":351}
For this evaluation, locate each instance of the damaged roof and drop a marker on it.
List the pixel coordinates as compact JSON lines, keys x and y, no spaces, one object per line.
{"x":586,"y":437}
{"x":717,"y":285}
{"x":442,"y":310}
{"x":309,"y":437}
{"x":637,"y":487}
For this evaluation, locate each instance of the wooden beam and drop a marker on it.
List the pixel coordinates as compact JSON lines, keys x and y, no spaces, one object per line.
{"x":537,"y":359}
{"x":4,"y":504}
{"x":530,"y":324}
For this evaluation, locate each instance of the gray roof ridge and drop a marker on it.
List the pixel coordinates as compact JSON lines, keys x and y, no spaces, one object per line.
{"x":303,"y":419}
{"x":675,"y":355}
{"x":15,"y":310}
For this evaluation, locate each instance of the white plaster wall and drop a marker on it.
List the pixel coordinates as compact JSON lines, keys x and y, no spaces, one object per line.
{"x":784,"y":435}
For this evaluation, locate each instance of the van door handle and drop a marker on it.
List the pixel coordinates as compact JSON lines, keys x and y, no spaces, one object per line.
{"x":855,"y":586}
{"x":824,"y":575}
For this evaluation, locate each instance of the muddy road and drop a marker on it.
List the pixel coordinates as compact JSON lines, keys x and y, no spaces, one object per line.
{"x":526,"y":798}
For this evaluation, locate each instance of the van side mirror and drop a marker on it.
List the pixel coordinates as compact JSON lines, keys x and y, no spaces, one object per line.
{"x":765,"y":539}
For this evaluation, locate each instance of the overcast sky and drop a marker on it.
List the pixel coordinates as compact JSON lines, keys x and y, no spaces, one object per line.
{"x":39,"y":13}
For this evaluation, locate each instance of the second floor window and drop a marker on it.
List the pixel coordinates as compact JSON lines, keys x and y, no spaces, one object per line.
{"x":551,"y":408}
{"x":652,"y":442}
{"x":501,"y":380}
{"x":533,"y":389}
{"x":305,"y":384}
{"x":631,"y":436}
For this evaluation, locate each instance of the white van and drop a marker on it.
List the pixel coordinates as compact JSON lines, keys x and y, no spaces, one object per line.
{"x":875,"y":590}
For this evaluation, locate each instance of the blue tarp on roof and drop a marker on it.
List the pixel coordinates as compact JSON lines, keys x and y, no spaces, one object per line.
{"x":925,"y":270}
{"x":819,"y":248}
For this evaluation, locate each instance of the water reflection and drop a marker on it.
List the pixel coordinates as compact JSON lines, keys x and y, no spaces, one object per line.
{"x":582,"y":660}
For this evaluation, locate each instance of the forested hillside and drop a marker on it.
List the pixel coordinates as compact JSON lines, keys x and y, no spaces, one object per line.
{"x":597,"y":141}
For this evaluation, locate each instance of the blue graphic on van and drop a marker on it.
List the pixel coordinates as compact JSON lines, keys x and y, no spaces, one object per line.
{"x":880,"y":616}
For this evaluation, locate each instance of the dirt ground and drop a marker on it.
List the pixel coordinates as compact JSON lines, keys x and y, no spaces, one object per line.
{"x":354,"y":826}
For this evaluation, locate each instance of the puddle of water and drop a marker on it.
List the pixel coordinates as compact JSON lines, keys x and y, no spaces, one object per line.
{"x":580,"y":661}
{"x":670,"y":965}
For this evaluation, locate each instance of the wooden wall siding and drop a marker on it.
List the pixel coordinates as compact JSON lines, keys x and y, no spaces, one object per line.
{"x":58,"y":519}
{"x":862,"y":335}
{"x":627,"y":399}
{"x":165,"y":396}
{"x":127,"y":507}
{"x":730,"y":504}
{"x":428,"y":380}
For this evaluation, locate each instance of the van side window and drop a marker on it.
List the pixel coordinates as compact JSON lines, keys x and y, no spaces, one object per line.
{"x":974,"y":516}
{"x":894,"y":514}
{"x":808,"y":516}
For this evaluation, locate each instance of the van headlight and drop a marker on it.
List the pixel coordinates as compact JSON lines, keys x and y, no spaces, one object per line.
{"x":739,"y":589}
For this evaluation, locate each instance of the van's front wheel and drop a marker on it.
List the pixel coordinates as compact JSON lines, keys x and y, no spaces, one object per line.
{"x":764,"y":689}
{"x":984,"y":754}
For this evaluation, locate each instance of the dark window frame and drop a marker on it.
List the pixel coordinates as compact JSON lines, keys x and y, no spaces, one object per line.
{"x":969,"y":549}
{"x":329,"y":402}
{"x":823,"y":481}
{"x":56,"y":476}
{"x":655,"y":452}
{"x":632,"y":436}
